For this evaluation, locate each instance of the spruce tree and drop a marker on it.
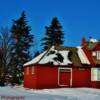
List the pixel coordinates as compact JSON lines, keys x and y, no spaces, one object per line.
{"x":22,"y":41}
{"x":54,"y":35}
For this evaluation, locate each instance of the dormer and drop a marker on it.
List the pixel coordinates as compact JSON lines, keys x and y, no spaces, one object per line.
{"x":92,"y":51}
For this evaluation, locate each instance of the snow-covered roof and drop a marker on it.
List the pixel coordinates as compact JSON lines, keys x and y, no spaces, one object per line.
{"x":35,"y":60}
{"x":82,"y":56}
{"x":93,"y":40}
{"x":58,"y":57}
{"x":51,"y":56}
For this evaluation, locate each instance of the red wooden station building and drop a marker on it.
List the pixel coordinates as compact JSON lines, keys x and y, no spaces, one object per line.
{"x":65,"y":67}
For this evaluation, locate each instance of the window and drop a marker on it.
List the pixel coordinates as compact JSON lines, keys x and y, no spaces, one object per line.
{"x":33,"y":70}
{"x":93,"y":53}
{"x":27,"y":71}
{"x":98,"y":74}
{"x":98,"y":55}
{"x":95,"y":74}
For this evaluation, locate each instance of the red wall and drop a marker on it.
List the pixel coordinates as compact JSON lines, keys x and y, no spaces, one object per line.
{"x":43,"y":77}
{"x":30,"y":79}
{"x":81,"y":77}
{"x":97,"y":46}
{"x":95,"y":84}
{"x":47,"y":76}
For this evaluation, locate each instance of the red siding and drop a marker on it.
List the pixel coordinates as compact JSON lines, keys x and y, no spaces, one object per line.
{"x":97,"y":47}
{"x":81,"y":77}
{"x":95,"y":84}
{"x":29,"y":79}
{"x":47,"y":77}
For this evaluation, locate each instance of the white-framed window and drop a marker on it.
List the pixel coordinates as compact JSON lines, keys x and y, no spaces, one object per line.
{"x":32,"y":70}
{"x":27,"y":71}
{"x":95,"y":74}
{"x":98,"y":55}
{"x":98,"y":74}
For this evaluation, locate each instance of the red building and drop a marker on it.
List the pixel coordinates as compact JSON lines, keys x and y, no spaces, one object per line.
{"x":65,"y":67}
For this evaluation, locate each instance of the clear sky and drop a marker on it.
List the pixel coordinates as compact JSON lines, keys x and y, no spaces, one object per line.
{"x":78,"y":17}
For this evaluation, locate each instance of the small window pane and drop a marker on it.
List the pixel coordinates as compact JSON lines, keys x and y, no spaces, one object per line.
{"x":98,"y":74}
{"x":98,"y":55}
{"x":93,"y":53}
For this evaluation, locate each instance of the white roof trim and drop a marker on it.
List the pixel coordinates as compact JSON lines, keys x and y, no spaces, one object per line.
{"x":82,"y":56}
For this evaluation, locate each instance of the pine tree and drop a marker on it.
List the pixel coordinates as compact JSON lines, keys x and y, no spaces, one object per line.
{"x":54,"y":35}
{"x":22,"y":41}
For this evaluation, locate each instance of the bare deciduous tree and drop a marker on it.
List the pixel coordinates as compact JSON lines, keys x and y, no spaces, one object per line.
{"x":5,"y":54}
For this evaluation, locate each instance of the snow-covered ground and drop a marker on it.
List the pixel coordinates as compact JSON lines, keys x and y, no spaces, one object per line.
{"x":19,"y":93}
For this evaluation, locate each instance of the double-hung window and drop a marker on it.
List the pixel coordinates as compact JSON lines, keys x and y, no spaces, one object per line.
{"x":95,"y":74}
{"x":98,"y":55}
{"x":98,"y":73}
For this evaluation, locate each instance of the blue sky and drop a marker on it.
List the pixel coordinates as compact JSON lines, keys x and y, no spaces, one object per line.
{"x":78,"y":17}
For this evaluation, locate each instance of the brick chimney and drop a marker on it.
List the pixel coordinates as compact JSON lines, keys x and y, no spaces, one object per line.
{"x":83,"y":41}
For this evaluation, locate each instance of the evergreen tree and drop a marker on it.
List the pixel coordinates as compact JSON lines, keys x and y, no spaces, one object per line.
{"x":22,"y":41}
{"x":54,"y":35}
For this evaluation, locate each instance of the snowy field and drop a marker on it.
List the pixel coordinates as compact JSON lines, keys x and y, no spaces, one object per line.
{"x":19,"y":93}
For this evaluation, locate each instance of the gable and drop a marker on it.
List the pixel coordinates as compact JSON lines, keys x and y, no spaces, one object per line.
{"x":92,"y":51}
